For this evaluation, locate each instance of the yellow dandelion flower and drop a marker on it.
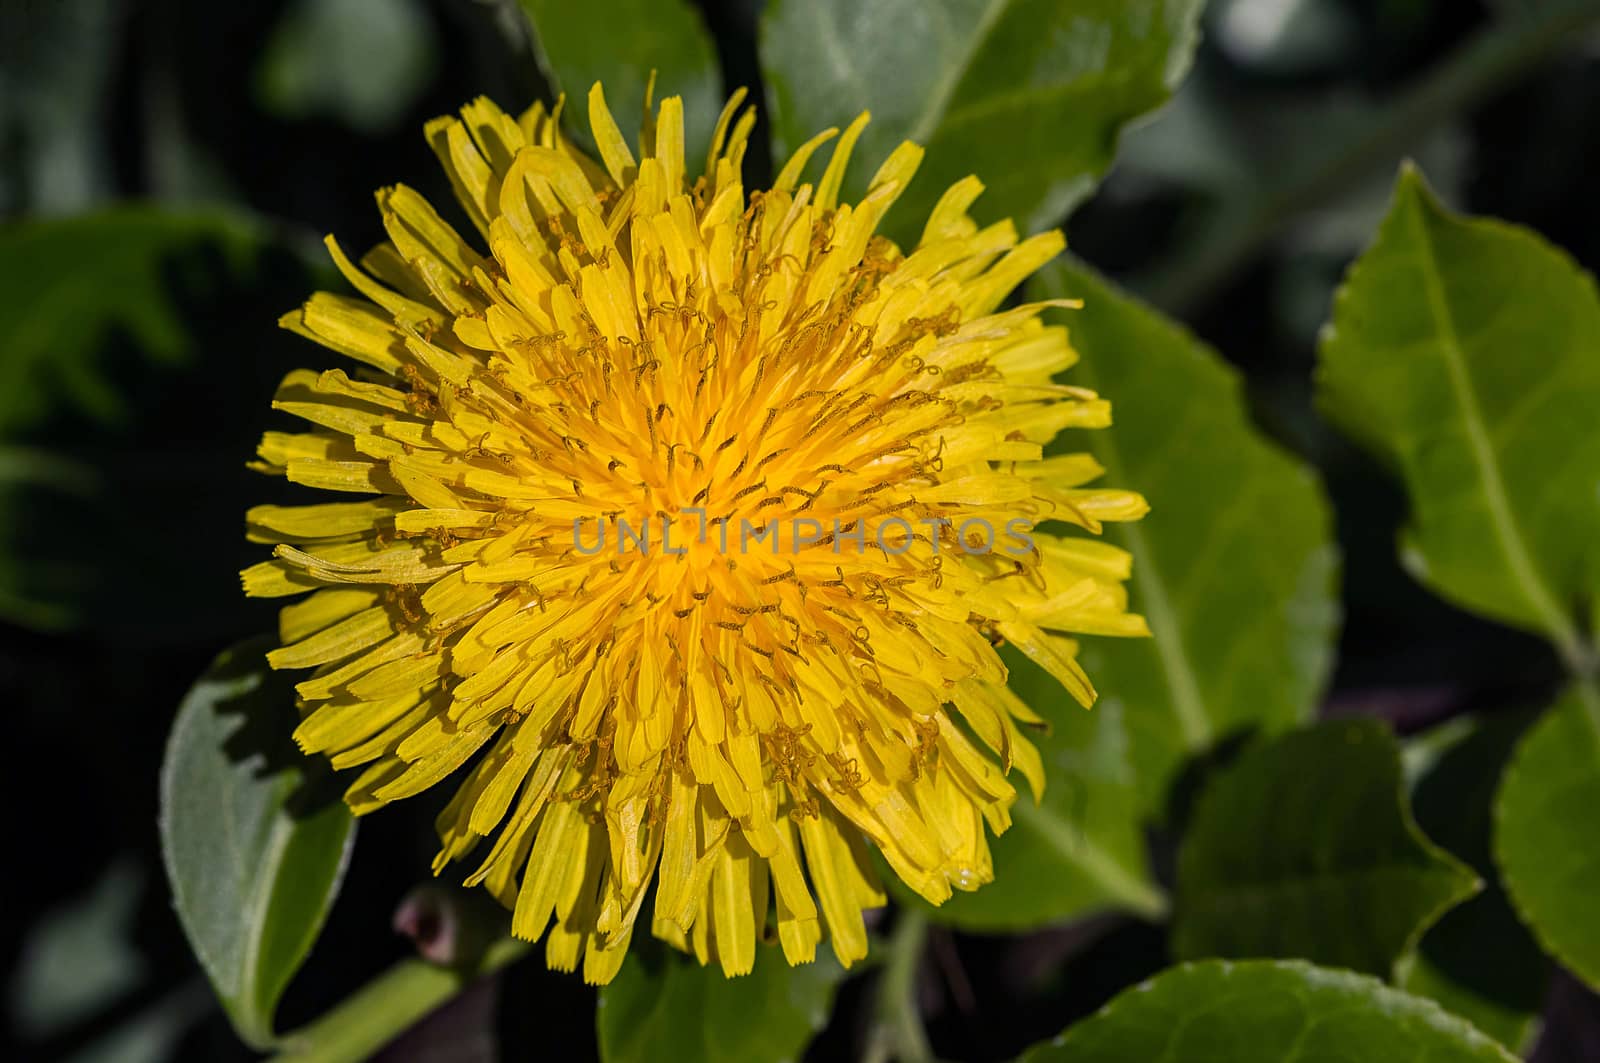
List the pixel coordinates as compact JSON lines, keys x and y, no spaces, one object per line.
{"x":693,"y":519}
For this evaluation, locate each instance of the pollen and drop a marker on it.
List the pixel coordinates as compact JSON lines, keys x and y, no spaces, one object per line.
{"x":677,"y":527}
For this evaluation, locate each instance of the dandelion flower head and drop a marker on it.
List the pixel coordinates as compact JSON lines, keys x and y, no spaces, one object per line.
{"x":677,"y":534}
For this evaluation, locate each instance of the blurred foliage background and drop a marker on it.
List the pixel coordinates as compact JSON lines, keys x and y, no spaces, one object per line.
{"x":167,"y":168}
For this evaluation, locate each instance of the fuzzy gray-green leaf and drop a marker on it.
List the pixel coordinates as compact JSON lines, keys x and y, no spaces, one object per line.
{"x":253,"y":873}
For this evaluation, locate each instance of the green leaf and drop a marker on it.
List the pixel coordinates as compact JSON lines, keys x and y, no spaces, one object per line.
{"x":1546,"y":836}
{"x":154,"y":1034}
{"x":140,"y":359}
{"x":1268,"y":1012}
{"x":1033,"y":92}
{"x":1233,"y":567}
{"x":664,"y":1006}
{"x":1466,"y":353}
{"x":619,"y":43}
{"x":71,"y":283}
{"x":253,"y":859}
{"x":79,"y":956}
{"x":1081,"y":849}
{"x":1477,"y":960}
{"x":1306,"y":847}
{"x":60,"y":62}
{"x":364,"y":61}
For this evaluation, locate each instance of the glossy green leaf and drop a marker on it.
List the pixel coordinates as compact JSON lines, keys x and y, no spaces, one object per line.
{"x":139,"y":363}
{"x":1030,"y":93}
{"x":1233,"y":567}
{"x":1477,"y":960}
{"x":1547,"y":834}
{"x":1079,"y":850}
{"x":619,"y":43}
{"x":1306,"y":846}
{"x":253,"y":858}
{"x":1269,"y":1012}
{"x":1466,"y":353}
{"x":663,"y":1006}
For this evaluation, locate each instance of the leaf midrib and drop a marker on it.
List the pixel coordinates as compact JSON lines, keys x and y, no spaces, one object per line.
{"x":942,"y":91}
{"x":1094,"y":860}
{"x":259,"y":1013}
{"x":1501,"y":519}
{"x":1188,"y":705}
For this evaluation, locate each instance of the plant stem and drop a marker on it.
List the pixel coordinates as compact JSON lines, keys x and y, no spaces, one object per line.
{"x":1486,"y":63}
{"x":384,"y":1007}
{"x":1582,"y":666}
{"x":899,"y":1033}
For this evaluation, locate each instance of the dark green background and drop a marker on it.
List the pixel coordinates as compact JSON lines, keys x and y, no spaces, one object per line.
{"x":125,"y":487}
